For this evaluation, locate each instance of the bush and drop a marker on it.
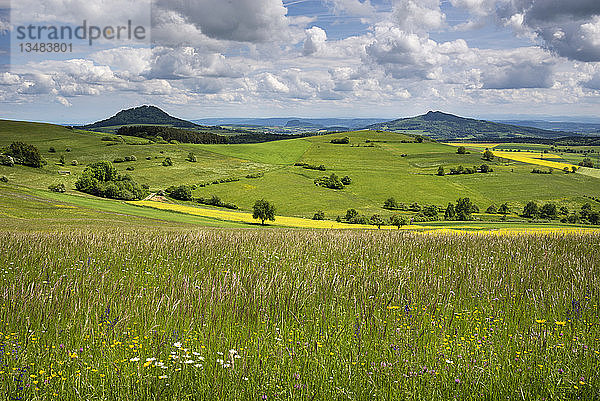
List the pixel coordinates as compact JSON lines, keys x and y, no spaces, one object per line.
{"x":7,"y":160}
{"x":22,"y":153}
{"x":181,"y":192}
{"x":587,"y":162}
{"x":351,"y":214}
{"x":51,"y":150}
{"x":346,"y":180}
{"x":320,"y":215}
{"x":67,"y":149}
{"x":488,"y":155}
{"x":130,"y":168}
{"x":167,"y":162}
{"x":391,"y":204}
{"x":62,"y":161}
{"x":492,"y":209}
{"x":255,"y":175}
{"x":540,"y":171}
{"x":461,"y":150}
{"x":430,"y":211}
{"x":341,"y":141}
{"x":331,"y":182}
{"x":119,"y":160}
{"x":101,"y":179}
{"x":58,"y":188}
{"x":130,"y":158}
{"x":191,"y":158}
{"x":4,"y":179}
{"x":149,"y":158}
{"x":440,"y":171}
{"x":216,"y":201}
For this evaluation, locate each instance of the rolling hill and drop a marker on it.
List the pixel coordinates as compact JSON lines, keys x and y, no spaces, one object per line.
{"x":143,"y":115}
{"x":448,"y":127}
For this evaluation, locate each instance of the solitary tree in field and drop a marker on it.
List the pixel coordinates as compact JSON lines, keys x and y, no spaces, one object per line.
{"x":461,"y":150}
{"x":263,"y":210}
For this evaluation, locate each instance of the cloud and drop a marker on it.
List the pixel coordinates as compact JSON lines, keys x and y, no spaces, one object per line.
{"x":187,"y":62}
{"x":315,"y":40}
{"x":253,"y":21}
{"x":593,"y":83}
{"x":352,"y":7}
{"x":418,"y":16}
{"x":273,"y":84}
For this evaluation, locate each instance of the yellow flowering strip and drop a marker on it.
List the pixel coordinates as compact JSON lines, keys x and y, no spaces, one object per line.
{"x":244,"y":217}
{"x":530,"y":158}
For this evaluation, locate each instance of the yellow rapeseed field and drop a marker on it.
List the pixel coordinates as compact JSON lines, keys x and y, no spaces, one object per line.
{"x":533,"y":158}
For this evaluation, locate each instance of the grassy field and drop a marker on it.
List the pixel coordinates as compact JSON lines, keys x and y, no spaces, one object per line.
{"x":381,"y":165}
{"x":281,"y":314}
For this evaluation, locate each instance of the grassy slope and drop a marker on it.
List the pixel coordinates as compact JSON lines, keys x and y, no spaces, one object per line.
{"x":378,"y":172}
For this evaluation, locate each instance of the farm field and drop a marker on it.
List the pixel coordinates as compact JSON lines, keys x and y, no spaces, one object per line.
{"x":290,"y":314}
{"x":380,"y":164}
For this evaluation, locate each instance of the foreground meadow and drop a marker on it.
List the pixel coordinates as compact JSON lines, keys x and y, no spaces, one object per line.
{"x":290,"y":314}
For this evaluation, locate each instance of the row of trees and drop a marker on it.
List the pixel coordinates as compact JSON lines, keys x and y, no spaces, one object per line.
{"x":484,"y":168}
{"x":552,"y":212}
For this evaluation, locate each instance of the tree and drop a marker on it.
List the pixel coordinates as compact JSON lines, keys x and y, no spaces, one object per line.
{"x":488,"y":155}
{"x":485,"y":168}
{"x":587,"y":162}
{"x":563,"y":210}
{"x":531,"y":210}
{"x":181,"y":192}
{"x":191,"y":158}
{"x":390,"y":203}
{"x":504,"y":209}
{"x":167,"y":162}
{"x":450,"y":213}
{"x":346,"y":180}
{"x":351,"y":214}
{"x":492,"y":209}
{"x":440,"y":171}
{"x":320,"y":215}
{"x":430,"y":211}
{"x":398,"y":221}
{"x":566,"y":170}
{"x":548,"y":211}
{"x":27,"y":155}
{"x":573,"y":169}
{"x":586,"y":209}
{"x":461,"y":150}
{"x":376,"y":220}
{"x":263,"y":210}
{"x":463,"y":209}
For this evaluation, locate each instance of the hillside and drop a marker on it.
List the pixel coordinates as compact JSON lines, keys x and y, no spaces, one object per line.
{"x":143,"y":115}
{"x":380,"y":164}
{"x":448,"y":127}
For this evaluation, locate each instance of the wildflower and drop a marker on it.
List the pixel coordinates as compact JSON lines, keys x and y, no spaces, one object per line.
{"x":163,"y":377}
{"x":560,"y":323}
{"x":150,"y":359}
{"x":457,"y":381}
{"x":177,"y":344}
{"x":449,"y":361}
{"x":189,"y":361}
{"x":540,"y":321}
{"x":135,"y":359}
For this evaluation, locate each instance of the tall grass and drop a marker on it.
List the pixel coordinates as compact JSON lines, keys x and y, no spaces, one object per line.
{"x":285,"y":314}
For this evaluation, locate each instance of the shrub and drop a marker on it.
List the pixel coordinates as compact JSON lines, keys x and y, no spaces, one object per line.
{"x":67,"y":149}
{"x":119,"y":160}
{"x":216,"y":201}
{"x":149,"y":158}
{"x":263,"y":210}
{"x":22,"y":153}
{"x":492,"y":209}
{"x":485,"y":169}
{"x":346,"y":180}
{"x":391,"y":204}
{"x":461,"y":150}
{"x":341,"y":141}
{"x":320,"y":215}
{"x":351,"y":214}
{"x":191,"y":157}
{"x":51,"y":150}
{"x":58,"y":188}
{"x":430,"y":211}
{"x":488,"y":155}
{"x":7,"y":160}
{"x":130,"y":158}
{"x":331,"y":182}
{"x":167,"y":162}
{"x":587,"y":162}
{"x":62,"y":161}
{"x":181,"y":192}
{"x":130,"y":168}
{"x":101,"y":179}
{"x":255,"y":175}
{"x":440,"y":171}
{"x":4,"y":179}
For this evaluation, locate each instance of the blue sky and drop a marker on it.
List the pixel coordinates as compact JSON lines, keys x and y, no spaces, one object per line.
{"x":310,"y":58}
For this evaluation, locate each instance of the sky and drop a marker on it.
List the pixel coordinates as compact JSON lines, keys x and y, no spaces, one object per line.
{"x":307,"y":58}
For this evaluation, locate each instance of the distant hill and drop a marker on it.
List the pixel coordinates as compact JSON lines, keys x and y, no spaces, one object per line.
{"x":565,"y":126}
{"x":143,"y":115}
{"x":448,"y":127}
